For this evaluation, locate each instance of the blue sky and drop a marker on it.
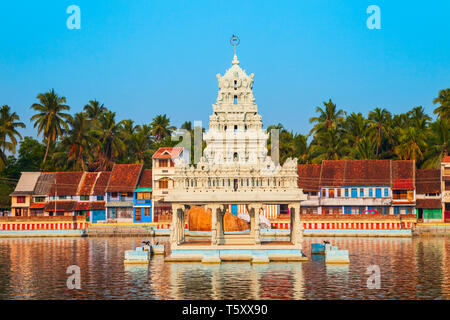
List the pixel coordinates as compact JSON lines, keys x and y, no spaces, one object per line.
{"x":142,"y":58}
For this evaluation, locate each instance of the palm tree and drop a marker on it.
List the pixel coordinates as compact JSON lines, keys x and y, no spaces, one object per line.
{"x":412,"y":144}
{"x":438,"y":144}
{"x":50,"y":119}
{"x":94,"y":109}
{"x":142,"y":143}
{"x":8,"y":130}
{"x":301,"y":148}
{"x":418,"y":118}
{"x":355,"y":128}
{"x":328,"y":119}
{"x":78,"y":140}
{"x":161,"y":127}
{"x":108,"y":136}
{"x":329,"y":145}
{"x":380,"y":126}
{"x":444,"y":100}
{"x":187,"y":125}
{"x":364,"y":149}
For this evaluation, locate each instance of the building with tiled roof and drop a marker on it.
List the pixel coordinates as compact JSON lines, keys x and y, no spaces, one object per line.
{"x":120,"y":191}
{"x":428,"y":195}
{"x":41,"y":193}
{"x":87,"y":183}
{"x":66,"y":184}
{"x":142,"y":209}
{"x":21,"y":198}
{"x":445,"y":187}
{"x":358,"y":186}
{"x":167,"y":153}
{"x":163,"y":171}
{"x":124,"y":178}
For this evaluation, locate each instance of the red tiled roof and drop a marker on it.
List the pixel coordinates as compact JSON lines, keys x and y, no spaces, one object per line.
{"x":60,"y":206}
{"x":403,"y":174}
{"x":82,"y":206}
{"x":98,"y":205}
{"x":446,"y":159}
{"x":428,"y":203}
{"x":308,"y":176}
{"x":124,"y":177}
{"x":87,"y":183}
{"x":67,"y":183}
{"x":146,"y":179}
{"x":332,"y":173}
{"x":37,"y":205}
{"x":168,"y":152}
{"x":101,"y":183}
{"x":428,"y":181}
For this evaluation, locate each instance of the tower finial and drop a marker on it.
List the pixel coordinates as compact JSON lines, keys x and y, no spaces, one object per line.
{"x":234,"y":41}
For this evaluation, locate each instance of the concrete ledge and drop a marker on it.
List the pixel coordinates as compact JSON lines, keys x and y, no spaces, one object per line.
{"x":213,"y":255}
{"x":42,"y":233}
{"x":335,"y":256}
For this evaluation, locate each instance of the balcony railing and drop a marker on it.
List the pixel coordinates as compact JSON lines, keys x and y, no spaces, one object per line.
{"x":143,"y":201}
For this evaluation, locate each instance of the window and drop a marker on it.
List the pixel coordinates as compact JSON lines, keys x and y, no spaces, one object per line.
{"x":137,"y":214}
{"x":100,"y":198}
{"x":147,"y":212}
{"x":354,"y":193}
{"x":346,"y":192}
{"x":361,"y":192}
{"x":378,"y":192}
{"x":163,"y":163}
{"x":114,"y":195}
{"x":62,"y":197}
{"x":164,"y":184}
{"x":399,"y":194}
{"x":347,"y":210}
{"x":235,"y":100}
{"x":396,"y":210}
{"x":20,"y":199}
{"x":386,"y":192}
{"x":84,"y":198}
{"x":331,"y":193}
{"x":39,"y":199}
{"x":370,"y":192}
{"x":235,"y":128}
{"x":338,"y":193}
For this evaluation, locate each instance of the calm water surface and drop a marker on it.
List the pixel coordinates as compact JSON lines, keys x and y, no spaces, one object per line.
{"x":417,"y":268}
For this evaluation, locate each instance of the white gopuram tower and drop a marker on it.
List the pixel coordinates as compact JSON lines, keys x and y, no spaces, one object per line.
{"x":235,"y":127}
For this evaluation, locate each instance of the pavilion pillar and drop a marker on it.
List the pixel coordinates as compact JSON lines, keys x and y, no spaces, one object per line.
{"x":296,"y":226}
{"x":214,"y":223}
{"x":175,"y":231}
{"x":255,"y":223}
{"x":221,"y":225}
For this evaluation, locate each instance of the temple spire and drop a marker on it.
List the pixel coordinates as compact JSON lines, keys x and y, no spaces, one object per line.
{"x":234,"y":41}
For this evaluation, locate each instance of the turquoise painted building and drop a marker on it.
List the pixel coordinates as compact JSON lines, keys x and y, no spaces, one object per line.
{"x":142,"y":198}
{"x":142,"y":209}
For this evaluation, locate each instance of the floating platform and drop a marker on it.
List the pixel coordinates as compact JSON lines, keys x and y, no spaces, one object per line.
{"x":335,"y":256}
{"x":137,"y":256}
{"x":265,"y":253}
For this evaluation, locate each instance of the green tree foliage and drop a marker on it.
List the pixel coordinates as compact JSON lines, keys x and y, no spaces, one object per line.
{"x":50,"y":118}
{"x":443,"y":99}
{"x":9,"y":123}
